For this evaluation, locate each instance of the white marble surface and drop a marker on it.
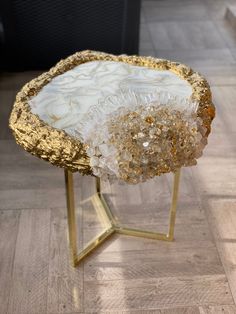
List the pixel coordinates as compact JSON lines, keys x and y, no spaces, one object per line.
{"x":63,"y":102}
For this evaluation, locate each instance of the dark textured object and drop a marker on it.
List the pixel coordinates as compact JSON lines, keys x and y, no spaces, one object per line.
{"x":37,"y":34}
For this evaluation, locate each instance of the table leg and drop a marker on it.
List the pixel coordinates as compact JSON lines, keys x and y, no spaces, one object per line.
{"x":112,"y":225}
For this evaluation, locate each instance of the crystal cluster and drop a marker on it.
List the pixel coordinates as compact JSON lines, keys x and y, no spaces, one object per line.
{"x":155,"y":135}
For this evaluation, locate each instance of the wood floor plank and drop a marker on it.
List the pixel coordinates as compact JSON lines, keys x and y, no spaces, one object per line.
{"x":201,"y":58}
{"x":187,"y":10}
{"x":219,"y":74}
{"x":222,"y":219}
{"x":146,"y":43}
{"x":8,"y":232}
{"x":217,"y":8}
{"x":138,"y":266}
{"x":224,"y":309}
{"x":20,"y":170}
{"x":194,"y":35}
{"x":65,"y":283}
{"x":179,"y":310}
{"x":156,"y":293}
{"x":28,"y":178}
{"x":215,"y":179}
{"x":32,"y":198}
{"x":226,"y":30}
{"x":224,"y":99}
{"x":122,"y":243}
{"x":186,"y":236}
{"x":182,"y":310}
{"x":216,"y":176}
{"x":30,"y":271}
{"x":150,"y":216}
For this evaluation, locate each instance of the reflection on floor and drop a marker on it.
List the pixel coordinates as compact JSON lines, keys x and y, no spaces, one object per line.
{"x":194,"y":274}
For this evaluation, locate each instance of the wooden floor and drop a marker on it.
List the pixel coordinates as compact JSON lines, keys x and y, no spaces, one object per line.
{"x":196,"y":274}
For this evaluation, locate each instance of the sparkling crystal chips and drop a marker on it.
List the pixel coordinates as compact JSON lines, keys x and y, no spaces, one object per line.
{"x":147,"y":135}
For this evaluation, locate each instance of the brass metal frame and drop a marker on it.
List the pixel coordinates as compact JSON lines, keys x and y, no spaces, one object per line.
{"x":111,"y":223}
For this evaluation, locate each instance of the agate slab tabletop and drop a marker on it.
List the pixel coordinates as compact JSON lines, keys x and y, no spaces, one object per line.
{"x":48,"y":110}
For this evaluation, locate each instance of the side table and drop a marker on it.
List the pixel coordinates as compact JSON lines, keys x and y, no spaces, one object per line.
{"x":49,"y":110}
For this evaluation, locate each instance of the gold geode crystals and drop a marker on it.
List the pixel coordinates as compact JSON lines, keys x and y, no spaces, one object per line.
{"x":61,"y":149}
{"x":155,"y":141}
{"x":146,"y":137}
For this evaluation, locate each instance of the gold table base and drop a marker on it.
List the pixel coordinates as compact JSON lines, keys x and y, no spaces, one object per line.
{"x":112,"y":226}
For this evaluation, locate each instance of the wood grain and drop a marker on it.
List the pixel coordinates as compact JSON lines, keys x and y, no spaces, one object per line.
{"x":30,"y":271}
{"x":187,"y":10}
{"x":32,"y":198}
{"x":65,"y":283}
{"x":156,"y":293}
{"x":140,"y":265}
{"x":185,"y":35}
{"x":8,"y":232}
{"x":224,"y":309}
{"x":219,"y":74}
{"x":221,"y":215}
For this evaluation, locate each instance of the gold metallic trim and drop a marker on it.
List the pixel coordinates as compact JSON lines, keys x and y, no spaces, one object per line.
{"x":111,"y":223}
{"x":60,"y":149}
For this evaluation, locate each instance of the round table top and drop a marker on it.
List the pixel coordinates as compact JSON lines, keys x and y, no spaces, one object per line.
{"x":47,"y":118}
